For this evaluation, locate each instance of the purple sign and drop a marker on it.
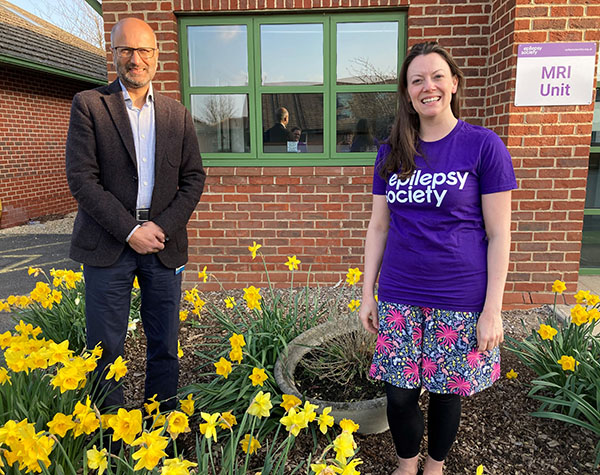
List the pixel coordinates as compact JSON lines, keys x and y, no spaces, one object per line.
{"x":547,"y":50}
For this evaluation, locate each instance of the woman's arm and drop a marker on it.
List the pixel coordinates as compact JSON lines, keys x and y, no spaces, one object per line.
{"x":496,"y":215}
{"x":374,"y":248}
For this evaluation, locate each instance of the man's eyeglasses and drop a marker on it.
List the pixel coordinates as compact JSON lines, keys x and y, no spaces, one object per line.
{"x":126,"y":52}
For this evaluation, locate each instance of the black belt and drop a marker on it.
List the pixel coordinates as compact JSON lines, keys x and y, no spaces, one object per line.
{"x":142,"y":214}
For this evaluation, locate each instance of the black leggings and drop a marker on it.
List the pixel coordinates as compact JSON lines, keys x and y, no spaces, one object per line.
{"x":407,"y":425}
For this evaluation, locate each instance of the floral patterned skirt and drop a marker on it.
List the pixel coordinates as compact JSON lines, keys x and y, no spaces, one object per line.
{"x":434,"y":348}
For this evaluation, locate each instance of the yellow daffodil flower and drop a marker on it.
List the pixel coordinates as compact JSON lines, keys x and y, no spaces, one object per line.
{"x":568,"y":363}
{"x":252,"y":297}
{"x":183,"y":314}
{"x":480,"y":468}
{"x":593,"y":300}
{"x":250,"y":444}
{"x":4,"y":377}
{"x":290,"y":401}
{"x":294,"y":421}
{"x":310,"y":411}
{"x":254,"y":248}
{"x":203,"y":275}
{"x":349,"y":468}
{"x":126,"y":425}
{"x":177,"y":424}
{"x":151,"y":451}
{"x":152,"y":406}
{"x":512,"y":374}
{"x":230,"y":302}
{"x":228,"y":420}
{"x":353,"y":305}
{"x":179,"y":350}
{"x":187,"y":405}
{"x":292,"y":263}
{"x":349,"y":425}
{"x":593,"y":314}
{"x":118,"y":369}
{"x":60,"y":424}
{"x":325,"y":420}
{"x":208,"y":429}
{"x":258,"y":377}
{"x":581,"y":296}
{"x":261,"y":405}
{"x":558,"y":287}
{"x":579,"y":315}
{"x":353,"y":276}
{"x":344,"y":446}
{"x":35,"y":271}
{"x":223,"y":367}
{"x":237,"y":340}
{"x":546,"y":332}
{"x":176,"y":467}
{"x":236,"y":354}
{"x":97,"y":459}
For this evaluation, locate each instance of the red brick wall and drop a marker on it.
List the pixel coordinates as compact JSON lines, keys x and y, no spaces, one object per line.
{"x":274,"y":206}
{"x":34,"y":118}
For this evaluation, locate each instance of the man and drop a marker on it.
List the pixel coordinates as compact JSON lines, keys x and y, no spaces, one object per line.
{"x":134,"y":167}
{"x":278,"y":135}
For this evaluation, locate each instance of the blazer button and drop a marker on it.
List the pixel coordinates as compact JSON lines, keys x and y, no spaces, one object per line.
{"x":135,"y":178}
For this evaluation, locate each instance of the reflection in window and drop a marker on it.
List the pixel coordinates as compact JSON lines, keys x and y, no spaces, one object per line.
{"x":291,"y":55}
{"x":292,"y":123}
{"x":363,"y":120}
{"x":218,"y":55}
{"x":590,"y":243}
{"x":367,"y":53}
{"x":596,"y":123}
{"x":221,"y":122}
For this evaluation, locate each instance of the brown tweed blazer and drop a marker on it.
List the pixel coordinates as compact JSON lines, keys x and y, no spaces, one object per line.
{"x":102,"y":175}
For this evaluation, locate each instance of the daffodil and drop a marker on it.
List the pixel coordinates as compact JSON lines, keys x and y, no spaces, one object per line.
{"x":593,"y":314}
{"x":126,"y":425}
{"x":581,"y":296}
{"x":60,"y":424}
{"x":252,"y":297}
{"x":176,"y":467}
{"x":309,"y":411}
{"x":546,"y":332}
{"x":223,"y":367}
{"x":4,"y":377}
{"x":254,"y":248}
{"x":512,"y":374}
{"x":236,"y":340}
{"x":325,"y":420}
{"x":177,"y":424}
{"x":236,"y":354}
{"x":261,"y":405}
{"x":353,"y":305}
{"x":593,"y":300}
{"x":230,"y":302}
{"x":228,"y":420}
{"x":353,"y":276}
{"x":151,"y":451}
{"x":97,"y":459}
{"x":152,"y":405}
{"x":203,"y":275}
{"x":579,"y":315}
{"x":480,"y":467}
{"x":250,"y":444}
{"x":344,"y":446}
{"x":179,"y":350}
{"x":136,"y":283}
{"x":187,"y":405}
{"x":349,"y":425}
{"x":208,"y":429}
{"x":292,"y":263}
{"x":118,"y":369}
{"x":294,"y":421}
{"x":290,"y":401}
{"x":258,"y":376}
{"x":35,"y":271}
{"x":568,"y":363}
{"x":183,"y":315}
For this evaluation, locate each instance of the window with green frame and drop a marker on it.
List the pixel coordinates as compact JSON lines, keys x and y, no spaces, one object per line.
{"x":301,"y":89}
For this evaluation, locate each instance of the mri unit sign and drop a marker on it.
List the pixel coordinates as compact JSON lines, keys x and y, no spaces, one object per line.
{"x":555,"y":74}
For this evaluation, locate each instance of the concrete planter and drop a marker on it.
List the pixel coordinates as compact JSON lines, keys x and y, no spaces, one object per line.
{"x":369,"y":414}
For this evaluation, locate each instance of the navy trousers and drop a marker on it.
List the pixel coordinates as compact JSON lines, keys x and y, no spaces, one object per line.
{"x":108,"y":298}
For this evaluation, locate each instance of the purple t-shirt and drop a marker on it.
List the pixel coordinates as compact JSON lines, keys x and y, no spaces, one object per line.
{"x":436,"y":250}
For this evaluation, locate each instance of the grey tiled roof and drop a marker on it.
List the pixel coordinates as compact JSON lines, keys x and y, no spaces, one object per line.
{"x":40,"y":43}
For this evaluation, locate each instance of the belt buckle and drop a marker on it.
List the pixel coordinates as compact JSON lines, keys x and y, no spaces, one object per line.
{"x":142,"y":214}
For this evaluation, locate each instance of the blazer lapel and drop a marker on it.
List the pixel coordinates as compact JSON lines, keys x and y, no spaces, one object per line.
{"x":116,"y":107}
{"x":161,"y":120}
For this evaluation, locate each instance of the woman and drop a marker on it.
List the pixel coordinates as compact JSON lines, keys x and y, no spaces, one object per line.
{"x":439,"y":238}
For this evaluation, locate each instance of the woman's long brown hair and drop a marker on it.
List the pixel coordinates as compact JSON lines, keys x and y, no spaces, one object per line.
{"x":404,"y":138}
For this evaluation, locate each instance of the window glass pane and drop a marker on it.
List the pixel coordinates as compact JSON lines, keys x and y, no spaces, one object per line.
{"x":596,"y":123}
{"x":592,"y":192}
{"x":291,"y":55}
{"x":367,"y":53}
{"x":292,"y":123}
{"x":590,"y":244}
{"x":363,"y":120}
{"x":218,"y":55}
{"x":221,"y":122}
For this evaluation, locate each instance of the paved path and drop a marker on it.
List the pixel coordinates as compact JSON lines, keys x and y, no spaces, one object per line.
{"x":18,"y":252}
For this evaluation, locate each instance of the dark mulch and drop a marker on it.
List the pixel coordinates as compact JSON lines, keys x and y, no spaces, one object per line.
{"x":496,"y":428}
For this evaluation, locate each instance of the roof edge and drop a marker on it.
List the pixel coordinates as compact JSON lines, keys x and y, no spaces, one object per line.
{"x":47,"y":69}
{"x":96,"y":5}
